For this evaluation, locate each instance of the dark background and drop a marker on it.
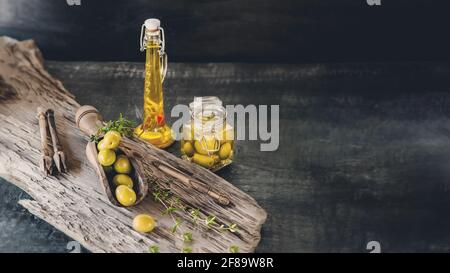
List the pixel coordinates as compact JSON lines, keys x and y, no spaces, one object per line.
{"x":236,"y":30}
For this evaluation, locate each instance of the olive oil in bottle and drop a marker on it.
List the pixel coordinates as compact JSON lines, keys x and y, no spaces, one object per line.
{"x":154,"y":128}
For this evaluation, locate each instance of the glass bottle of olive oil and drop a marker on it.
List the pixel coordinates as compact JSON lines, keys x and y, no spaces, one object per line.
{"x":154,"y":128}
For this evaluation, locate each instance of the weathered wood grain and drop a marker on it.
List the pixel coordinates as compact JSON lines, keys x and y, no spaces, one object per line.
{"x":74,"y":202}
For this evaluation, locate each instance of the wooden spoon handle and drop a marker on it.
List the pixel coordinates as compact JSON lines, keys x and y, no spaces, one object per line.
{"x":88,"y":119}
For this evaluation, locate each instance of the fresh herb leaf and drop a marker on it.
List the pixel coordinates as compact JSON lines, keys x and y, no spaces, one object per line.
{"x":94,"y":138}
{"x":230,"y":228}
{"x":169,"y":210}
{"x":187,"y":237}
{"x":233,"y":228}
{"x":210,"y":220}
{"x":124,"y":126}
{"x":186,"y":250}
{"x":234,"y":249}
{"x":195,"y":213}
{"x":157,"y":196}
{"x":154,"y":249}
{"x":176,"y":225}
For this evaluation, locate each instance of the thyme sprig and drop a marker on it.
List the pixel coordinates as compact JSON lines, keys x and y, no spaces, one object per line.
{"x":122,"y":125}
{"x":172,"y":205}
{"x":230,"y":228}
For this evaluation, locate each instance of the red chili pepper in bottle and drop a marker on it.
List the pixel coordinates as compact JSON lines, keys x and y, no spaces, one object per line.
{"x":160,"y":120}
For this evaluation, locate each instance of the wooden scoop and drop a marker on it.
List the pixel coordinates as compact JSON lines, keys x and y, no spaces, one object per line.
{"x":88,"y":119}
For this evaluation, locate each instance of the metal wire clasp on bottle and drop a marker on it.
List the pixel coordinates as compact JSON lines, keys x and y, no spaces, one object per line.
{"x":162,"y":40}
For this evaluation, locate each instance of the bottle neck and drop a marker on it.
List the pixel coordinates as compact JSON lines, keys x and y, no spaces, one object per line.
{"x":153,"y":44}
{"x":152,"y":39}
{"x":153,"y":49}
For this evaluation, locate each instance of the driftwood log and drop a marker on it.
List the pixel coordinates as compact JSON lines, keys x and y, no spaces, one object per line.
{"x":74,"y":202}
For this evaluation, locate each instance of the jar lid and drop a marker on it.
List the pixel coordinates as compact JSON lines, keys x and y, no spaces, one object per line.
{"x":205,"y":101}
{"x":207,"y":110}
{"x":208,"y":118}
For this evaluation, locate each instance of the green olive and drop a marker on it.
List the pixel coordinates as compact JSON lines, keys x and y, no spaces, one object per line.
{"x":188,"y":149}
{"x":122,"y":164}
{"x":203,"y":160}
{"x":106,"y":157}
{"x":205,"y":145}
{"x":144,"y":223}
{"x":123,"y":179}
{"x":101,"y":145}
{"x":110,"y":140}
{"x":125,"y":195}
{"x":225,"y":151}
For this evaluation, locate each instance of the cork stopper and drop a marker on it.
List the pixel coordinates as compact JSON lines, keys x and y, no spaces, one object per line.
{"x":152,"y":24}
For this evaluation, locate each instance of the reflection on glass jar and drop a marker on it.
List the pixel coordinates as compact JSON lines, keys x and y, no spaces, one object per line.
{"x":207,"y":139}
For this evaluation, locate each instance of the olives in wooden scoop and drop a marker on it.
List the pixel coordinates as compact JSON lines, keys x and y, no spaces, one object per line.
{"x":125,"y":195}
{"x":122,"y":164}
{"x":111,"y":140}
{"x":106,"y":157}
{"x":123,"y":179}
{"x":101,"y":145}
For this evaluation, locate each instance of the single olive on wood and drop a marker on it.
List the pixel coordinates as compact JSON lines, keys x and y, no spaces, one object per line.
{"x":144,"y":223}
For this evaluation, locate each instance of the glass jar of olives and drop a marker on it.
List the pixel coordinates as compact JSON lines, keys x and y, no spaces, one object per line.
{"x":207,"y":139}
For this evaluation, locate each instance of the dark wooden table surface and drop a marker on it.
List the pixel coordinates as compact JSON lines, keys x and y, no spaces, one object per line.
{"x":364,"y":150}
